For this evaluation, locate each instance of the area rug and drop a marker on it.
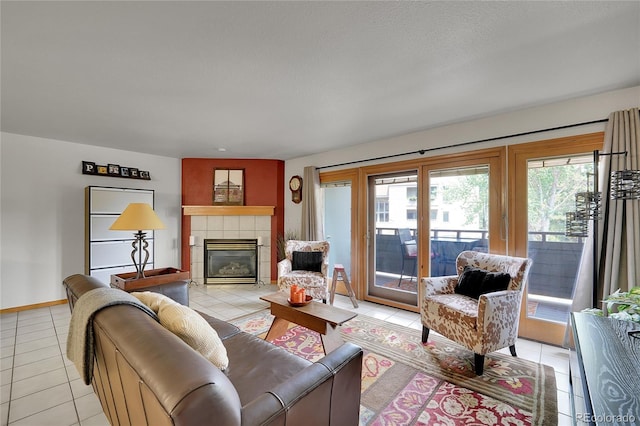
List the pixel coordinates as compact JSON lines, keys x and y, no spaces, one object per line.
{"x":407,"y":383}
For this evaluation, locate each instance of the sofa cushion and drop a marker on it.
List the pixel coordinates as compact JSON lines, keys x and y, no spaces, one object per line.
{"x":187,"y":324}
{"x":307,"y":261}
{"x":223,"y":328}
{"x":257,"y":366}
{"x":451,"y":311}
{"x":475,"y":281}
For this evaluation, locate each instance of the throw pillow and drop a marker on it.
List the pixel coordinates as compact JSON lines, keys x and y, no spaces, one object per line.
{"x":307,"y":261}
{"x":474,"y":281}
{"x":188,"y":325}
{"x":152,"y":300}
{"x":470,"y":282}
{"x":495,"y":281}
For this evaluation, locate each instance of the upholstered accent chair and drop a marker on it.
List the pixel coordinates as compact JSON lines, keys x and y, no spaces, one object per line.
{"x":480,"y":307}
{"x":306,"y":264}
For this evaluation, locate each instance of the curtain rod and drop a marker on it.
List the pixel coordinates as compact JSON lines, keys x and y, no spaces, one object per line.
{"x":423,"y":151}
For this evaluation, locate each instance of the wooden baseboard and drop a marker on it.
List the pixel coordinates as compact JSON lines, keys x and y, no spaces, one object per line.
{"x":34,"y":306}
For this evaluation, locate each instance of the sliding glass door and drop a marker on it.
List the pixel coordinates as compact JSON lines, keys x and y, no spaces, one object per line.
{"x":393,"y":236}
{"x":545,"y":179}
{"x":419,"y":219}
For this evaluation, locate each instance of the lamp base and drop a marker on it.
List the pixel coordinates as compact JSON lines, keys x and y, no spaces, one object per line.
{"x":140,"y":245}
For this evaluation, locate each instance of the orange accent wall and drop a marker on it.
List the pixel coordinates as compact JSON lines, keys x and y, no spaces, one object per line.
{"x":264,"y":186}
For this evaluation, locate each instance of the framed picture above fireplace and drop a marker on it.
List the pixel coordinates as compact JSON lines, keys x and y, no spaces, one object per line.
{"x":228,"y":187}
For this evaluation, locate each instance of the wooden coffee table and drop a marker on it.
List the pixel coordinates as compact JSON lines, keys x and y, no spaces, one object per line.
{"x":315,"y":316}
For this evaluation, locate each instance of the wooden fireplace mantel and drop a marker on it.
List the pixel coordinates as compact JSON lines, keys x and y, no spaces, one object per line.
{"x":228,"y":210}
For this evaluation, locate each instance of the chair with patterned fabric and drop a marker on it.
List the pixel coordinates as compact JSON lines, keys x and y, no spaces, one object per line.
{"x":480,"y":307}
{"x":306,"y":265}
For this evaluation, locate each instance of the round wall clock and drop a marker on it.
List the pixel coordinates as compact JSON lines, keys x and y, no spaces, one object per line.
{"x":295,"y":185}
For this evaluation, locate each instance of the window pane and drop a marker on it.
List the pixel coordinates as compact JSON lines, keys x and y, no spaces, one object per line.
{"x":337,"y":224}
{"x":462,"y":195}
{"x":394,"y":240}
{"x":552,"y":185}
{"x":382,"y":210}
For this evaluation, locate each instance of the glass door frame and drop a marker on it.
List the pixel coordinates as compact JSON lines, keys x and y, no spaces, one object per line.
{"x":518,"y":157}
{"x":379,"y":294}
{"x":351,"y":176}
{"x":494,"y":157}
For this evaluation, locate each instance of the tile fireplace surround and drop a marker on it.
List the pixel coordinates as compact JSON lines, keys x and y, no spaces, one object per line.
{"x":231,"y":226}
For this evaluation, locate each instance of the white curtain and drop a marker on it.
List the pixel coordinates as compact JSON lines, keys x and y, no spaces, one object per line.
{"x":619,"y":229}
{"x":312,"y":223}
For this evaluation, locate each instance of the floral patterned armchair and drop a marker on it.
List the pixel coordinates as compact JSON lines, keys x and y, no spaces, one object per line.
{"x":315,"y":280}
{"x":483,"y":324}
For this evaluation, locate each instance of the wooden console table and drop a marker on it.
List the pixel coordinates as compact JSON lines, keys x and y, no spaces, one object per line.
{"x":128,"y":282}
{"x":604,"y":371}
{"x":171,"y":282}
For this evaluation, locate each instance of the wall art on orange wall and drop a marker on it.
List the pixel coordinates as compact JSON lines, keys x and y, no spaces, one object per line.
{"x":228,"y":187}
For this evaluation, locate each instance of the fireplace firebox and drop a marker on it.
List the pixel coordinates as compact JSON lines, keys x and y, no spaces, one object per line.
{"x":230,"y":261}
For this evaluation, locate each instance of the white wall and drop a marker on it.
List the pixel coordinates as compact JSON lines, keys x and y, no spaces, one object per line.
{"x":42,"y":212}
{"x":558,"y":114}
{"x":42,"y":188}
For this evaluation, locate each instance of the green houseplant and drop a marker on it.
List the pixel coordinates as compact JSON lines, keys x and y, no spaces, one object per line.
{"x":622,"y":305}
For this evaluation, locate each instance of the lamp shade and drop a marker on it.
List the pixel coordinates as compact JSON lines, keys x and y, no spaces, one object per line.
{"x":136,"y":217}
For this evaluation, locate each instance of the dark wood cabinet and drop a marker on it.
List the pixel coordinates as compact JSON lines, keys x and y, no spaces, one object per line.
{"x":604,"y":371}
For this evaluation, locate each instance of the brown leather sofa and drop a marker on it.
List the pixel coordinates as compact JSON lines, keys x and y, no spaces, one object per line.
{"x":145,"y":375}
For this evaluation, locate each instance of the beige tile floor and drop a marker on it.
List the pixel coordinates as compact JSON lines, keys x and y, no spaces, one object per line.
{"x":39,"y":386}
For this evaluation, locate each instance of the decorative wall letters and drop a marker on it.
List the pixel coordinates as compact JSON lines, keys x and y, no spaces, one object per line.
{"x":114,"y":170}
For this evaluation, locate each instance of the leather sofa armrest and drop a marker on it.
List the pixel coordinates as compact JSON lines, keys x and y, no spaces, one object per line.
{"x":346,"y":365}
{"x":174,"y":379}
{"x":328,"y":388}
{"x":278,"y":406}
{"x":76,"y":285}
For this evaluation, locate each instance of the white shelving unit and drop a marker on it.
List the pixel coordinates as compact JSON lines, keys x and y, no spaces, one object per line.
{"x":109,"y":252}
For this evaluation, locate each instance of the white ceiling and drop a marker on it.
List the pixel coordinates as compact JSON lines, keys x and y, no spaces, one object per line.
{"x":287,"y":79}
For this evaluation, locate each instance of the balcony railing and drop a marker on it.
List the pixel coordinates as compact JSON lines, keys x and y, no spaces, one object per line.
{"x":555,"y":257}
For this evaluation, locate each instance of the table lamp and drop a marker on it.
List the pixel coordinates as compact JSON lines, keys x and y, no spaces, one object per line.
{"x":136,"y":217}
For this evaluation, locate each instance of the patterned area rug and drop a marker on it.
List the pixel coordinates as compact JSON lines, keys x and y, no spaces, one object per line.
{"x":407,"y":383}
